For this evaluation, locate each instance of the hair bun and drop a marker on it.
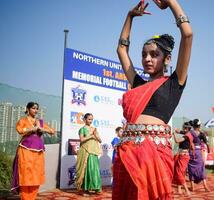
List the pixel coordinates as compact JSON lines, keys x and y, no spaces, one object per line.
{"x":187,"y":124}
{"x":196,"y":122}
{"x":169,"y":39}
{"x":191,"y":122}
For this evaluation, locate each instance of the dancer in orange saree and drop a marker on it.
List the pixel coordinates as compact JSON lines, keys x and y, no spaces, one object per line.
{"x":143,"y":167}
{"x":28,"y":165}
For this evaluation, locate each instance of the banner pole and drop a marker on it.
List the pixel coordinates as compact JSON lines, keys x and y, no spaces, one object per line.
{"x":61,"y":114}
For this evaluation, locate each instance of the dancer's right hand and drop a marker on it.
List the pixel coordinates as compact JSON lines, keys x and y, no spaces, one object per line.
{"x":140,"y":9}
{"x":176,"y":130}
{"x":162,"y":4}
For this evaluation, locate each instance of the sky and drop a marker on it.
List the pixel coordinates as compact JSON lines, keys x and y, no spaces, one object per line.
{"x":32,"y":43}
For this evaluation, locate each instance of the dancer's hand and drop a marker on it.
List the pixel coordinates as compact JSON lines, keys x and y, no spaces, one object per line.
{"x":93,"y":135}
{"x":140,"y":9}
{"x":162,"y":4}
{"x":42,"y":130}
{"x":35,"y":129}
{"x":176,"y":130}
{"x":97,"y":137}
{"x":39,"y":128}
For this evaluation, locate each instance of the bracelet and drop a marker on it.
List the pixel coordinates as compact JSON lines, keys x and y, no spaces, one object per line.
{"x":181,"y":19}
{"x":124,"y":42}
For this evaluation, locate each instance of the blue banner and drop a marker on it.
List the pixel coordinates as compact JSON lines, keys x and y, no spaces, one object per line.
{"x":94,"y":70}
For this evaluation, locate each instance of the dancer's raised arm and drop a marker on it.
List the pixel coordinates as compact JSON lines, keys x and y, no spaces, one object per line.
{"x":184,"y":53}
{"x":123,"y":45}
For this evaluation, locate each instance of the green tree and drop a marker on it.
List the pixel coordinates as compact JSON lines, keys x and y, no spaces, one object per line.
{"x":5,"y":170}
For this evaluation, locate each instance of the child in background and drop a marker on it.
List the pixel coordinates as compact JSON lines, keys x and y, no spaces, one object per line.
{"x":115,"y":141}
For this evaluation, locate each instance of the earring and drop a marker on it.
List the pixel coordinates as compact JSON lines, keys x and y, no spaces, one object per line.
{"x":165,"y":68}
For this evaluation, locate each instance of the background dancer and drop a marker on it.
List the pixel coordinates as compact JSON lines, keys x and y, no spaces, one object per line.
{"x":28,"y":166}
{"x":182,"y":157}
{"x":196,"y":166}
{"x":143,"y":168}
{"x":115,"y":141}
{"x":87,"y":166}
{"x":205,"y":149}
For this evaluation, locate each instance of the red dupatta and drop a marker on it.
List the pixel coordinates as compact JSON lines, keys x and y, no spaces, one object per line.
{"x":135,"y":100}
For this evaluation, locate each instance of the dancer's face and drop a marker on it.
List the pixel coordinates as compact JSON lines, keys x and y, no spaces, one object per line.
{"x":185,"y":129}
{"x":120,"y":133}
{"x":89,"y":120}
{"x":33,"y":110}
{"x":153,"y":60}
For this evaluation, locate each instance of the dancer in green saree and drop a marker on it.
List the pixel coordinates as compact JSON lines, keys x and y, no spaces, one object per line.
{"x":87,"y":167}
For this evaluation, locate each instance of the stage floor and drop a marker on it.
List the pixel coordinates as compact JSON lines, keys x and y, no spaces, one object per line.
{"x":199,"y":194}
{"x":56,"y":194}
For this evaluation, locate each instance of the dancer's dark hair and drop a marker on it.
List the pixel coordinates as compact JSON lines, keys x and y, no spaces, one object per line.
{"x":30,"y":105}
{"x":165,"y":42}
{"x":87,"y":115}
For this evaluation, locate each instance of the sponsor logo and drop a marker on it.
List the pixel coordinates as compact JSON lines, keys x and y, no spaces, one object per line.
{"x":105,"y":173}
{"x":103,"y":100}
{"x":123,"y":121}
{"x":78,"y":96}
{"x":107,"y":147}
{"x":76,"y":117}
{"x":120,"y":101}
{"x":102,"y":123}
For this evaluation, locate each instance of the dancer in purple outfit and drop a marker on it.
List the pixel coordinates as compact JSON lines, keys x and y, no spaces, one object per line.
{"x":196,"y":167}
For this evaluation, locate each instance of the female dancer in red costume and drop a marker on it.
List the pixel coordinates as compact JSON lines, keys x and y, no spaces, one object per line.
{"x":143,"y":168}
{"x":182,"y":157}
